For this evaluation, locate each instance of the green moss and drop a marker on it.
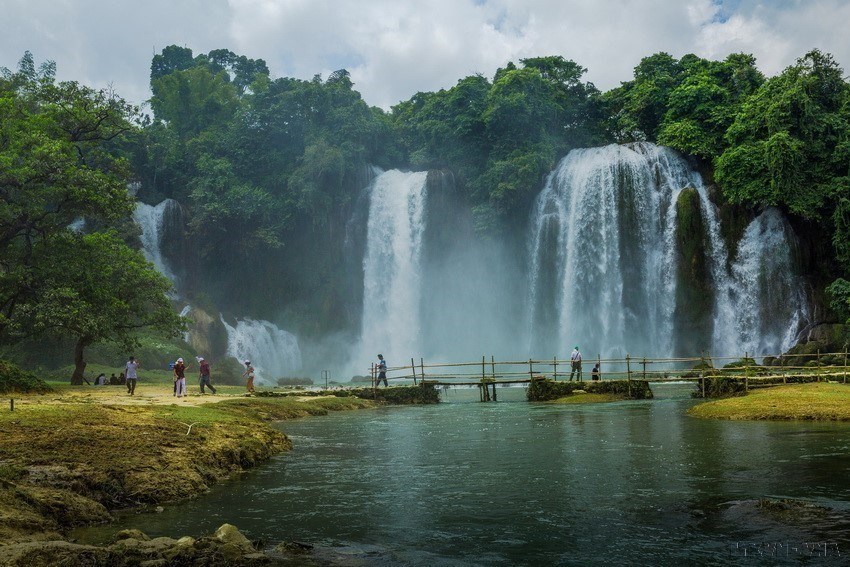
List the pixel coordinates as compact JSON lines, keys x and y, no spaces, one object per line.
{"x":543,"y":390}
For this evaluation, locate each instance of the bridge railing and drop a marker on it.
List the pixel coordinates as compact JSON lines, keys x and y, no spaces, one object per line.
{"x":832,"y":365}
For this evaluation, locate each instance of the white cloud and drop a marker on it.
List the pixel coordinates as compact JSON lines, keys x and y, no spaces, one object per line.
{"x":394,"y":48}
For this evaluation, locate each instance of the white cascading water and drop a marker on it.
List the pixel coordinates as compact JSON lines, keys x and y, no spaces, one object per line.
{"x":183,"y":312}
{"x":606,"y":222}
{"x":768,"y":292}
{"x":273,"y":352}
{"x":150,"y":219}
{"x":391,"y":266}
{"x":603,"y":261}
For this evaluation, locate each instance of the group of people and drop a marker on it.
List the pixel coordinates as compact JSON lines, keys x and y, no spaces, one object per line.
{"x":131,"y":369}
{"x":575,"y":366}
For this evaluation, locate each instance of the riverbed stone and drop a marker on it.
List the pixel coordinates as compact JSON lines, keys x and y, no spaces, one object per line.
{"x":230,"y":534}
{"x":132,"y":534}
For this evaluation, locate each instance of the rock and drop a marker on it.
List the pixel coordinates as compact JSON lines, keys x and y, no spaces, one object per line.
{"x":132,"y":534}
{"x":230,"y":534}
{"x":159,"y":509}
{"x":47,"y":553}
{"x":186,"y":541}
{"x":157,"y":545}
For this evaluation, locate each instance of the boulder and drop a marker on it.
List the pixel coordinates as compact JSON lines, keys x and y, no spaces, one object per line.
{"x":132,"y":534}
{"x":230,"y":534}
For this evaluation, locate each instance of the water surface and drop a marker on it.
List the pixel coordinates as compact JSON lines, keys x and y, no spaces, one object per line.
{"x":511,"y":482}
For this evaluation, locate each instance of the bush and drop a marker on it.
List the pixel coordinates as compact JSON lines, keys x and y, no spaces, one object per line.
{"x":15,"y":380}
{"x":543,"y":390}
{"x":227,"y":371}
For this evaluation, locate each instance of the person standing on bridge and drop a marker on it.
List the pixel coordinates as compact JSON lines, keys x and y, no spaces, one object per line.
{"x":575,"y":364}
{"x":382,"y":371}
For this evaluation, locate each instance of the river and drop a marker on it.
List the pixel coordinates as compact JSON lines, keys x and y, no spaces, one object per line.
{"x":511,"y":482}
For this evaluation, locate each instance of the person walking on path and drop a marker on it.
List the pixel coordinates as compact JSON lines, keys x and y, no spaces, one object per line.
{"x":575,"y":364}
{"x":249,"y":374}
{"x":130,"y":370}
{"x":204,"y":373}
{"x":382,"y":371}
{"x":180,"y":378}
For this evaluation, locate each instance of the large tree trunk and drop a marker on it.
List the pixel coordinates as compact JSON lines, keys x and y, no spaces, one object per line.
{"x":79,"y":362}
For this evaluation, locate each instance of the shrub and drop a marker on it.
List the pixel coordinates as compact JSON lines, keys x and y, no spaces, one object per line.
{"x":542,"y":390}
{"x":15,"y":380}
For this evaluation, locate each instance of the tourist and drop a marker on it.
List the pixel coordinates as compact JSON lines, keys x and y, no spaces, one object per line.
{"x":382,"y":371}
{"x":131,"y":369}
{"x":204,"y":373}
{"x":100,"y":380}
{"x":575,"y":363}
{"x":594,"y":374}
{"x":179,"y":378}
{"x":122,"y":379}
{"x":249,"y":374}
{"x":113,"y":380}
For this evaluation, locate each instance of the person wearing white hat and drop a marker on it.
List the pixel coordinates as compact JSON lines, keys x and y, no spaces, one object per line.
{"x":180,"y":378}
{"x":249,"y":374}
{"x":204,"y":373}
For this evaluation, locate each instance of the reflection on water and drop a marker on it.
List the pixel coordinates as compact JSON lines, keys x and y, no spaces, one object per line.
{"x":506,"y":483}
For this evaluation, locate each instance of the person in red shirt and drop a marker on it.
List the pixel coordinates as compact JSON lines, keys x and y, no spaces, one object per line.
{"x":204,"y":374}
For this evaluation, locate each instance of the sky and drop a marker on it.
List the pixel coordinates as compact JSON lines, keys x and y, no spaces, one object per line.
{"x":396,"y":48}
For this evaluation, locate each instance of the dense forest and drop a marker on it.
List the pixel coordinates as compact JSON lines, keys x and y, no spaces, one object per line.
{"x":268,"y":172}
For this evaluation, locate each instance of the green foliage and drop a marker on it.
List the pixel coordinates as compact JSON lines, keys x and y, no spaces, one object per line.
{"x":839,"y":293}
{"x":13,"y":380}
{"x":543,"y":390}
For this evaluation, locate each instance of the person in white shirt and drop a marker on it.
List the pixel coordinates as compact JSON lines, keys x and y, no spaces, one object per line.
{"x":575,"y":363}
{"x":131,"y":371}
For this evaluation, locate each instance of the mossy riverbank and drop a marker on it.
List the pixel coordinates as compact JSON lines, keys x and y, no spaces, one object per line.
{"x":70,"y":457}
{"x":814,"y":401}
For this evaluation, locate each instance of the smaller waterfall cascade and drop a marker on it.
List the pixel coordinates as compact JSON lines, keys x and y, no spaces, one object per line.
{"x":391,"y":267}
{"x":766,"y":289}
{"x":273,"y":352}
{"x":151,"y":220}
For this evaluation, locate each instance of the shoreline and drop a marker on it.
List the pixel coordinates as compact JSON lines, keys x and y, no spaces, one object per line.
{"x":814,"y":401}
{"x":71,"y":458}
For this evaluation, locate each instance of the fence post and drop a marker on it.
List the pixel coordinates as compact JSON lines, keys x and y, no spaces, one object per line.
{"x":845,"y":365}
{"x":493,"y":366}
{"x":782,"y":368}
{"x":629,"y":374}
{"x":422,"y":369}
{"x":530,"y":370}
{"x":413,"y":368}
{"x":374,"y":378}
{"x":747,"y":372}
{"x":599,"y":366}
{"x":817,"y":370}
{"x":555,"y":366}
{"x":644,"y":368}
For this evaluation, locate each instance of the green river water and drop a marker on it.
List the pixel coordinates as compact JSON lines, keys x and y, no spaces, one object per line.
{"x":516,"y":483}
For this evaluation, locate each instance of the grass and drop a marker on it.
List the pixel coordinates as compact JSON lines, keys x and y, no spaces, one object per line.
{"x":813,"y":401}
{"x":588,"y":398}
{"x":95,"y":448}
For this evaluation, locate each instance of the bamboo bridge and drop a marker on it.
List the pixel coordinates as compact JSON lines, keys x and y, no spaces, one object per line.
{"x":488,"y":374}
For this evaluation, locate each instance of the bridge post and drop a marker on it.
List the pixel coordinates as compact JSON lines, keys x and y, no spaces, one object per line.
{"x":413,"y":368}
{"x":599,"y":365}
{"x":644,"y":368}
{"x":746,"y":371}
{"x":530,"y":370}
{"x":845,"y":365}
{"x":629,"y":374}
{"x":555,"y":366}
{"x":817,"y":370}
{"x":493,"y":366}
{"x":422,"y":369}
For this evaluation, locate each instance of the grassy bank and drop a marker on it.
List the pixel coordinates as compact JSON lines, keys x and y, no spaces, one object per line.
{"x":815,"y":401}
{"x":69,"y":457}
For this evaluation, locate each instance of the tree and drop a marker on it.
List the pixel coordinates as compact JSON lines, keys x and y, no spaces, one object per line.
{"x":94,"y":288}
{"x":55,"y":168}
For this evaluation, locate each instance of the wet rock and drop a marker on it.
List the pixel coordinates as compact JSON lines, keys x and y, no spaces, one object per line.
{"x":229,"y":534}
{"x":49,"y":553}
{"x":132,"y":534}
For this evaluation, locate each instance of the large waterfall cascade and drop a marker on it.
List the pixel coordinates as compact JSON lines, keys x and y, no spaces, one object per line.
{"x":273,"y":352}
{"x":391,"y":267}
{"x":603,"y":260}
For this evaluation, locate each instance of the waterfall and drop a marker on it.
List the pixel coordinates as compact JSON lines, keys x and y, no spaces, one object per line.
{"x":767,"y":291}
{"x":603,"y":254}
{"x":391,"y":268}
{"x":603,"y":263}
{"x":183,"y":312}
{"x":273,"y":352}
{"x":151,"y":219}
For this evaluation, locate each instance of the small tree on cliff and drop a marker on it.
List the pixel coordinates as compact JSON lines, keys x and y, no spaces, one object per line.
{"x":94,"y":288}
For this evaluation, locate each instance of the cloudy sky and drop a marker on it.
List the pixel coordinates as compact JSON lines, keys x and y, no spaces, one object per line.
{"x":395,"y":48}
